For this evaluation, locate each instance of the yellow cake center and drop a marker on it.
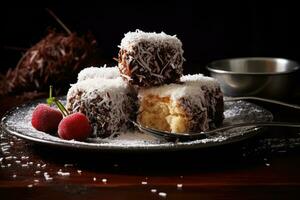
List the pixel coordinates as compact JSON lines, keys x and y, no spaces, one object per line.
{"x":162,"y":113}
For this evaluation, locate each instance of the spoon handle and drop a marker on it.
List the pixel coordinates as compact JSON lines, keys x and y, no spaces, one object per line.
{"x":258,"y":124}
{"x":205,"y":134}
{"x":264,"y":100}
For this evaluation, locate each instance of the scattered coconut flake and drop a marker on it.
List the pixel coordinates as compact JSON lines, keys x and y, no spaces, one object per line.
{"x":104,"y":180}
{"x":18,"y":161}
{"x":179,"y":185}
{"x":63,"y":173}
{"x":30,"y":185}
{"x":8,"y":158}
{"x":44,"y":165}
{"x":267,"y":164}
{"x":36,"y":180}
{"x":94,"y":179}
{"x":37,"y":172}
{"x":79,"y":171}
{"x":153,"y":190}
{"x":24,"y":157}
{"x":14,"y":176}
{"x":68,"y":165}
{"x":144,"y":183}
{"x":47,"y":177}
{"x":162,"y":194}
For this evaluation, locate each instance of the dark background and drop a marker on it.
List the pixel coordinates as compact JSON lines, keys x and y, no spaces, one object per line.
{"x":208,"y":31}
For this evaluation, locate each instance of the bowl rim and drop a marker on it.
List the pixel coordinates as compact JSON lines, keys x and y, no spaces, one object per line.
{"x":210,"y":67}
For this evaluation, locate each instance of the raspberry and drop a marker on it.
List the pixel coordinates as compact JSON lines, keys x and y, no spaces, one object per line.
{"x":45,"y":118}
{"x":75,"y":126}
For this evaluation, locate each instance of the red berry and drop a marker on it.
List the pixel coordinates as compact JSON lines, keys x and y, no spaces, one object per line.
{"x":45,"y":118}
{"x":75,"y":126}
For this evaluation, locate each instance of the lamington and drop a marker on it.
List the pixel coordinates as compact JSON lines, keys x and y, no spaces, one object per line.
{"x":150,"y":59}
{"x":98,"y":72}
{"x":194,"y":105}
{"x":108,"y":105}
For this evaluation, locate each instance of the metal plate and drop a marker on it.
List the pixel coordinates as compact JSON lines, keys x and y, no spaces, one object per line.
{"x":18,"y":122}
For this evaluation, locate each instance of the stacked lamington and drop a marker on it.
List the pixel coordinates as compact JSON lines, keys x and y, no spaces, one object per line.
{"x":148,"y":85}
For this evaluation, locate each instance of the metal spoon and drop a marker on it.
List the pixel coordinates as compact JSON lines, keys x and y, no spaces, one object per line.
{"x":202,"y":135}
{"x":263,"y":100}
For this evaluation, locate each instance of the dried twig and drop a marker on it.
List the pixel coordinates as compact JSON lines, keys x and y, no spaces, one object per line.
{"x":59,"y":21}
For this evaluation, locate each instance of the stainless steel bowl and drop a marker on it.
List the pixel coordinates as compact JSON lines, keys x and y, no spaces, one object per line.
{"x":264,"y":77}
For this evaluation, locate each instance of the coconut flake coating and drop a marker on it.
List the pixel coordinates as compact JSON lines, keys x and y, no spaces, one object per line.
{"x":98,"y":72}
{"x":108,"y":103}
{"x":150,"y":59}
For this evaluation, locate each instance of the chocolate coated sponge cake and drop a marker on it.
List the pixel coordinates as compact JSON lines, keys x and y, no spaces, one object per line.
{"x":150,"y":59}
{"x":194,"y":105}
{"x":108,"y":104}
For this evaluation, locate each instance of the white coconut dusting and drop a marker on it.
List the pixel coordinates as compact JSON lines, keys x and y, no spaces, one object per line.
{"x":191,"y":88}
{"x":98,"y":72}
{"x":133,"y":38}
{"x":200,"y":80}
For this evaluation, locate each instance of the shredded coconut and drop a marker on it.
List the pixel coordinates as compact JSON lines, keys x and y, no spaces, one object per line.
{"x":200,"y":80}
{"x":132,"y":38}
{"x":190,"y":88}
{"x":98,"y":72}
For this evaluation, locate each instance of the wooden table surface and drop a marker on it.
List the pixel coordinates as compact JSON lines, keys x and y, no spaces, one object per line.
{"x":264,"y":167}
